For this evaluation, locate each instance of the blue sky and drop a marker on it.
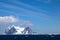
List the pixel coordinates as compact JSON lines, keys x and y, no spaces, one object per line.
{"x":43,"y":14}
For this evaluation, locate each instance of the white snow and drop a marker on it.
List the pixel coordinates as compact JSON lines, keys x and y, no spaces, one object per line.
{"x":17,"y":30}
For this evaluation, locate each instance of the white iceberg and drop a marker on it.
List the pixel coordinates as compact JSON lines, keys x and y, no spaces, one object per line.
{"x":12,"y":30}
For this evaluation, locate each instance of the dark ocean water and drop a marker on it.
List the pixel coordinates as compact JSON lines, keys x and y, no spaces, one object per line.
{"x":29,"y":37}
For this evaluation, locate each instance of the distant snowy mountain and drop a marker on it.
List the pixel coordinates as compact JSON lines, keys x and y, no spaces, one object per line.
{"x":18,"y":30}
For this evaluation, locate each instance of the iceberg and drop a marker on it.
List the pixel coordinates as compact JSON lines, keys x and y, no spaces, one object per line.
{"x":15,"y":30}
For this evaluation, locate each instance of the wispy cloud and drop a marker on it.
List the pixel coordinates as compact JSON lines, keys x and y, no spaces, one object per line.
{"x":5,"y":20}
{"x":8,"y":19}
{"x":27,"y":6}
{"x":26,"y":23}
{"x":45,"y":1}
{"x":26,"y":11}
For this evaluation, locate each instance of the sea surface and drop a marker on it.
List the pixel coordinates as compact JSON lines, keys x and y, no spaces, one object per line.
{"x":29,"y":37}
